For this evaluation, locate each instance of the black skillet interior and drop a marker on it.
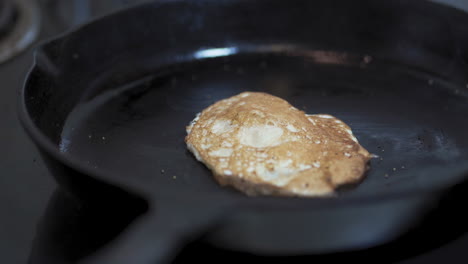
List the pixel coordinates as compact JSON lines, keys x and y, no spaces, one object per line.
{"x":114,"y":97}
{"x":394,"y":111}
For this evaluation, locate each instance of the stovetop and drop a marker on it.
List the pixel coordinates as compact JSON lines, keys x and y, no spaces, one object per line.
{"x":40,"y":223}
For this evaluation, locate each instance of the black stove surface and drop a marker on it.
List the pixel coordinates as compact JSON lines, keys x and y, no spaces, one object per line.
{"x":40,"y":223}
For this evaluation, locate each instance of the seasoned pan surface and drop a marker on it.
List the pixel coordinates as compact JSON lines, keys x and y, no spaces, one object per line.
{"x":409,"y":119}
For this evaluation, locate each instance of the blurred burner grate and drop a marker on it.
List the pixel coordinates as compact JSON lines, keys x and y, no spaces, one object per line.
{"x":8,"y":17}
{"x":19,"y":26}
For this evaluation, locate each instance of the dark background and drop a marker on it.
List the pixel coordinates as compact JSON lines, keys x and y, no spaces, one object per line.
{"x":42,"y":224}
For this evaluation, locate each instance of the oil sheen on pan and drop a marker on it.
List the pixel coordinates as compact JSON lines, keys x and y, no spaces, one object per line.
{"x":261,"y":145}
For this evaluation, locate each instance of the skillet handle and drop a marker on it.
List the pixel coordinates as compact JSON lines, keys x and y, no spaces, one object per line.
{"x":158,"y":235}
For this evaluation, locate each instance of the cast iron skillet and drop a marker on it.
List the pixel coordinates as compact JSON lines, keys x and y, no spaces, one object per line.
{"x":107,"y":105}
